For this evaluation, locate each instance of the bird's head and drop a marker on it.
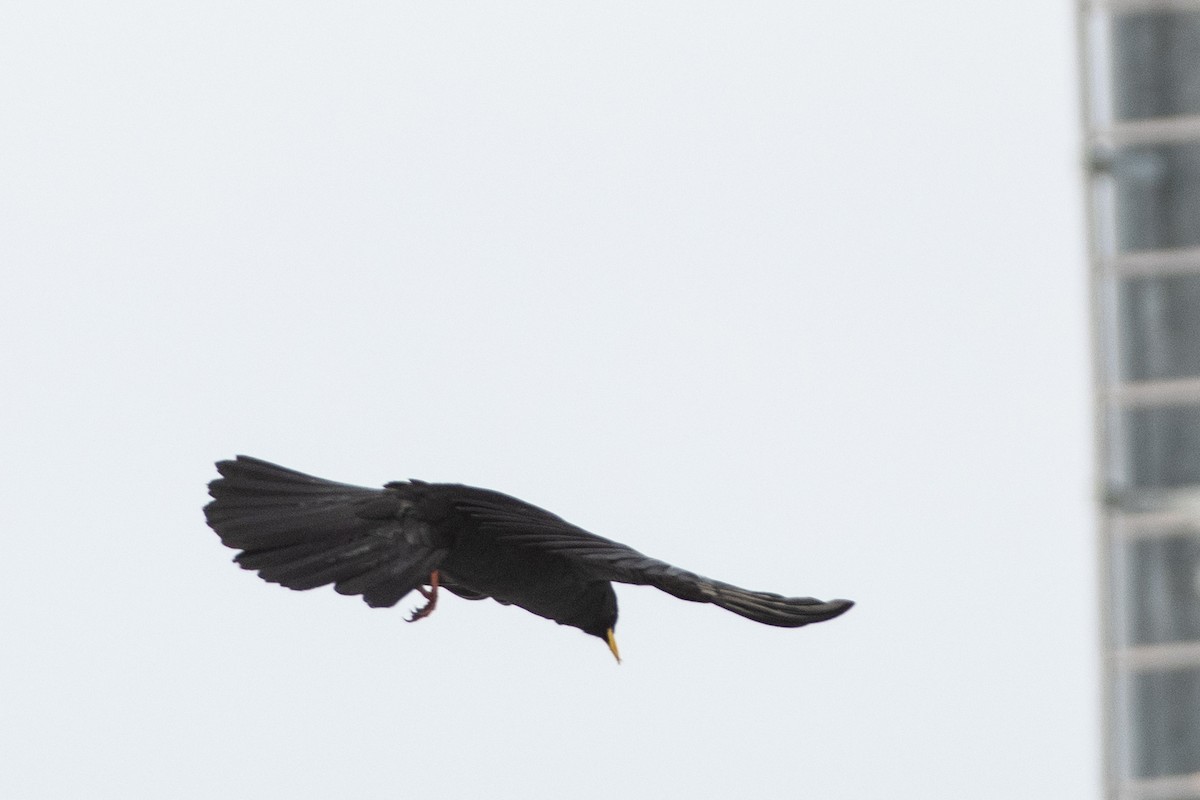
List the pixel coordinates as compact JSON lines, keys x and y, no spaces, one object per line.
{"x":601,"y":618}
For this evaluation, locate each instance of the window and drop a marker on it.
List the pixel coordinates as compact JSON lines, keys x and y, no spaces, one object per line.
{"x":1142,"y":95}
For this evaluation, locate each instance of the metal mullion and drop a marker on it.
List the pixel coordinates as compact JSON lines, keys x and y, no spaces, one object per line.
{"x":1148,"y":263}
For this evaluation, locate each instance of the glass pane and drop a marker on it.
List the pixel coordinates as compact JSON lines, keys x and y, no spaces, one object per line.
{"x":1157,"y":195}
{"x":1159,"y":585}
{"x":1160,"y":327}
{"x":1156,"y":64}
{"x":1162,"y":446}
{"x":1165,"y":739}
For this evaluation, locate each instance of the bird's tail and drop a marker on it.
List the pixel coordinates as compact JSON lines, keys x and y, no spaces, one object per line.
{"x":302,"y":532}
{"x":258,"y":504}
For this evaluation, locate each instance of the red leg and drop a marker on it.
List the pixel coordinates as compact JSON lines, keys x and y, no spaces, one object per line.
{"x":430,"y":596}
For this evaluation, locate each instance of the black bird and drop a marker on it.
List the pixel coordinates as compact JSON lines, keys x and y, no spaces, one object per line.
{"x":303,"y":532}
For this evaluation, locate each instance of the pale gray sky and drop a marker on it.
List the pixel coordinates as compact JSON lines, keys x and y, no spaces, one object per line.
{"x":789,"y":294}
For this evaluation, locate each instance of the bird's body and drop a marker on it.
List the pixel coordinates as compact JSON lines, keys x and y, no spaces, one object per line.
{"x":303,"y":532}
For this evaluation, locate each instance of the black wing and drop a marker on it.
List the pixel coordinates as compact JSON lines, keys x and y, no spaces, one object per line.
{"x":515,"y":522}
{"x":303,"y":532}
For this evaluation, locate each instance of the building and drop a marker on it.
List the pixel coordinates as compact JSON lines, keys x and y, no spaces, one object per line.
{"x":1142,"y":126}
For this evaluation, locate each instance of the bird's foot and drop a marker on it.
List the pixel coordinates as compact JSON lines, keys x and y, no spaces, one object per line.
{"x":430,"y":596}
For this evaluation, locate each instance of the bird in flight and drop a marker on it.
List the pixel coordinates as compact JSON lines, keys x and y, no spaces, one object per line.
{"x":302,"y":532}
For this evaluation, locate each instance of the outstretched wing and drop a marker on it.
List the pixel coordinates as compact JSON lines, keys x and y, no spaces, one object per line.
{"x":302,"y":532}
{"x":517,"y":523}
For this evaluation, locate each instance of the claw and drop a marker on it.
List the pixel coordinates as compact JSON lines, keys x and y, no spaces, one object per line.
{"x":430,"y":596}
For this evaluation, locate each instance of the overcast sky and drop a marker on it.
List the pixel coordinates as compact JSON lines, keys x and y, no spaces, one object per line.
{"x":789,"y":294}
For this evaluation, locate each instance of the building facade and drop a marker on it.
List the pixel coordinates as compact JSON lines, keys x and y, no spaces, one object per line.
{"x":1142,"y":131}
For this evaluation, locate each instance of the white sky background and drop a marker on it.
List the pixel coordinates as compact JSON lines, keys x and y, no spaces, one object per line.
{"x":789,"y":294}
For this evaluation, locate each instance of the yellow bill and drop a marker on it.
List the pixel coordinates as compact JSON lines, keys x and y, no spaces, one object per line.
{"x":612,"y":645}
